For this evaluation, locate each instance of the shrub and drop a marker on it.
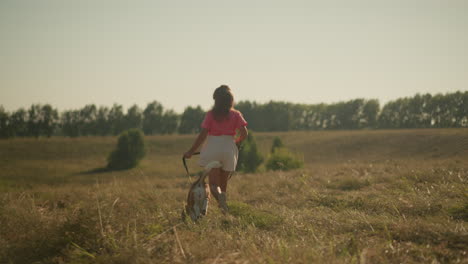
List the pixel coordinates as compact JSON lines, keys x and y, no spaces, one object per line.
{"x":277,"y":143}
{"x":283,"y":159}
{"x":130,"y":150}
{"x":250,"y":157}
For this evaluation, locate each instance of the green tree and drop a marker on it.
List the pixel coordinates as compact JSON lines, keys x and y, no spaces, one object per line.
{"x":18,"y":123}
{"x":347,"y":115}
{"x":42,"y":120}
{"x":370,"y":113}
{"x":418,"y":115}
{"x":389,"y":116}
{"x":33,"y":122}
{"x":152,"y":118}
{"x":116,"y":119}
{"x":250,"y":157}
{"x":87,"y":120}
{"x":134,"y":118}
{"x":130,"y":150}
{"x":298,"y":113}
{"x":277,"y":116}
{"x":170,"y":122}
{"x":5,"y":128}
{"x":315,"y":116}
{"x":48,"y":120}
{"x":462,"y":112}
{"x":250,"y":111}
{"x":191,"y":119}
{"x":70,"y":123}
{"x":103,"y":126}
{"x":459,"y":108}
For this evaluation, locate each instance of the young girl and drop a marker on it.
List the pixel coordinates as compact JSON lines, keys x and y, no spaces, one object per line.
{"x":219,"y":129}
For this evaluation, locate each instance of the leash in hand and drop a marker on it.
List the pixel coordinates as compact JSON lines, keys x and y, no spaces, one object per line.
{"x":239,"y":147}
{"x":185,"y":165}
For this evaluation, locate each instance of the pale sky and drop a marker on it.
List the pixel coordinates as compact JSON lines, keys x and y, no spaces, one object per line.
{"x":72,"y":53}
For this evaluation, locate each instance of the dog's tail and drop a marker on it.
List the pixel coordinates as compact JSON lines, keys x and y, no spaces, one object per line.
{"x":212,"y":165}
{"x":208,"y":167}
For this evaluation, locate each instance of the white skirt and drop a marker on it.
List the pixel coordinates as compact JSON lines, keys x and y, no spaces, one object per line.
{"x":222,"y":149}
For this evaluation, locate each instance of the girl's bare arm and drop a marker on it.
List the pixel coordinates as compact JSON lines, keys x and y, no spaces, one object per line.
{"x":200,"y":139}
{"x":243,"y":132}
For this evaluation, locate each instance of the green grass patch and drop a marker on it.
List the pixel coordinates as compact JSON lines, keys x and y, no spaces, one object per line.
{"x":349,"y":184}
{"x":251,"y":216}
{"x":459,"y":212}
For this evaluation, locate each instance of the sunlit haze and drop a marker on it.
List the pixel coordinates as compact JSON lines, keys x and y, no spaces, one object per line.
{"x":72,"y":53}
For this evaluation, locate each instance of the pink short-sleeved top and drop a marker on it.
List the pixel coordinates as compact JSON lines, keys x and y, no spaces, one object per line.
{"x":227,"y":126}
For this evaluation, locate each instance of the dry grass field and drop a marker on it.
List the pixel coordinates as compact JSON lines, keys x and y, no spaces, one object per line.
{"x":385,"y":196}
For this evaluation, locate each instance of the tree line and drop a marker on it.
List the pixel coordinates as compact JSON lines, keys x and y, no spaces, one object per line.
{"x":419,"y":111}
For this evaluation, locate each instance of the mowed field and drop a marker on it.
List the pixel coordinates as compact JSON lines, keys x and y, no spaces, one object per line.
{"x":379,"y":196}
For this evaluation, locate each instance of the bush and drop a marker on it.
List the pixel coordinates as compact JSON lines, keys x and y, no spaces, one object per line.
{"x":283,"y":159}
{"x":277,"y":143}
{"x":130,"y":150}
{"x":250,"y":157}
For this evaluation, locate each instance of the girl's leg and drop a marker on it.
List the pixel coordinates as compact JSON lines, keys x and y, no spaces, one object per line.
{"x":214,"y":177}
{"x":218,"y":186}
{"x":223,"y":180}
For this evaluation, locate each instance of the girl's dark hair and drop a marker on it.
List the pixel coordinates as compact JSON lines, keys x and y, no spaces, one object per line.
{"x":224,"y":101}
